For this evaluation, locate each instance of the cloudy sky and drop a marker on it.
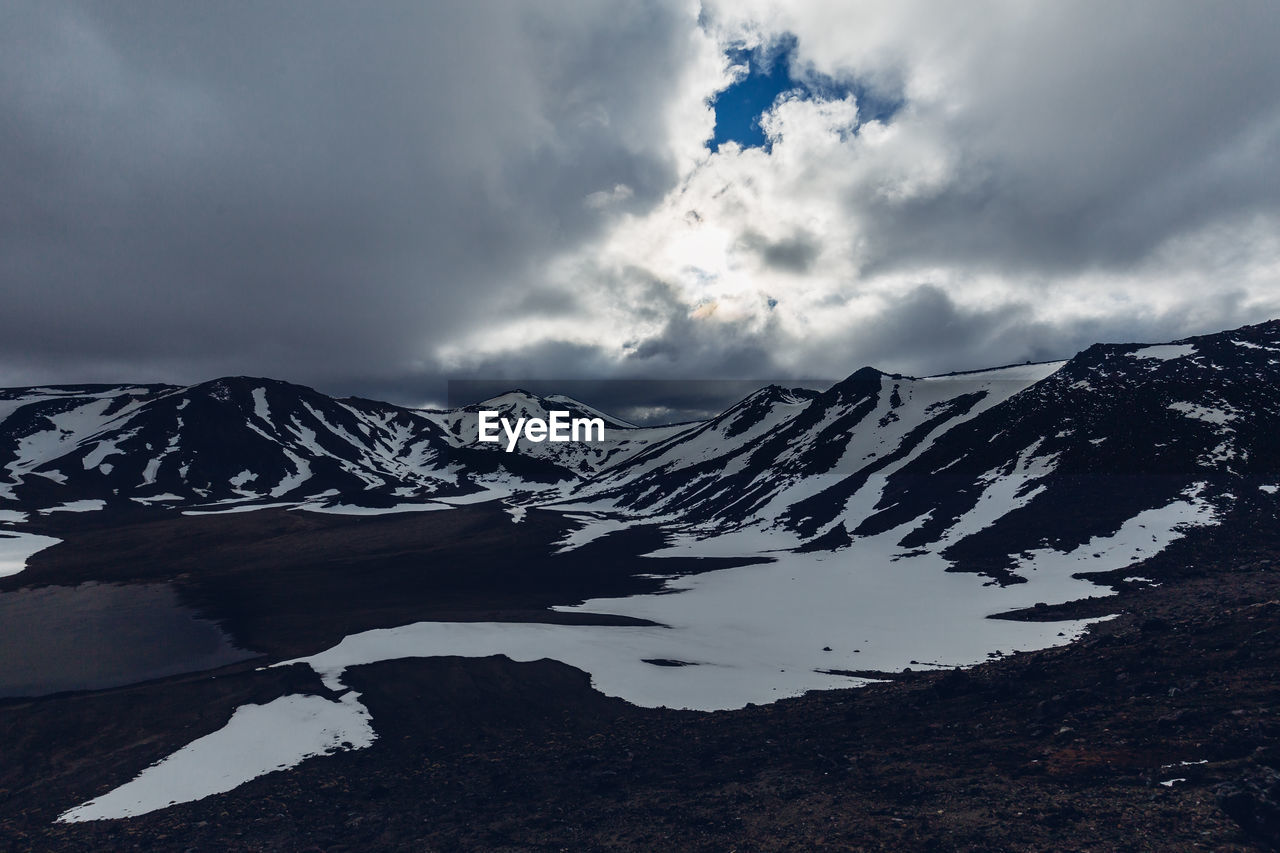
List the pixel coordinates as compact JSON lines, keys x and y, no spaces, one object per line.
{"x":373,"y":197}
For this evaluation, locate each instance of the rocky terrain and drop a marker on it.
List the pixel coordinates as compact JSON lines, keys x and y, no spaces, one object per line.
{"x":1159,"y":731}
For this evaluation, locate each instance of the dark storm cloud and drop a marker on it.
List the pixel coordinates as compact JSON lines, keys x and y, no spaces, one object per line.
{"x":639,"y":401}
{"x":1092,"y":136}
{"x":372,"y":198}
{"x":910,"y":332}
{"x":319,"y":190}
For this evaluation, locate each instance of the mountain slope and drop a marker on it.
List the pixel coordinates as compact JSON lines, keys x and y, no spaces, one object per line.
{"x":986,"y":466}
{"x":778,"y":449}
{"x":234,"y":440}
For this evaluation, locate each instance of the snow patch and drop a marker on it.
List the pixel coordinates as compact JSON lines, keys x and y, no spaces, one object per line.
{"x":354,"y":509}
{"x":245,"y":476}
{"x":593,"y":527}
{"x":1165,"y":352}
{"x":164,"y":498}
{"x":87,"y":505}
{"x":1219,"y":416}
{"x":257,"y":740}
{"x":260,"y":407}
{"x":16,"y":548}
{"x":238,"y":507}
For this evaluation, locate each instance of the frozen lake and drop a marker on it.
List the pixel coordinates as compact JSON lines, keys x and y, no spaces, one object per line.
{"x":94,"y":635}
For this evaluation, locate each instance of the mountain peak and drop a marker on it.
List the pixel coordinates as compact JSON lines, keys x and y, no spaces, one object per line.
{"x":860,"y":382}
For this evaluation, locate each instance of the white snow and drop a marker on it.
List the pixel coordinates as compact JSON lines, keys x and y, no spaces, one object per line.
{"x":1169,"y":783}
{"x":237,"y":507}
{"x":302,"y":473}
{"x":753,"y":634}
{"x":258,"y":739}
{"x":1219,"y":416}
{"x":103,"y":450}
{"x":16,"y":548}
{"x":353,"y":509}
{"x":316,"y":504}
{"x":1025,"y":373}
{"x":260,"y":407}
{"x":472,"y":498}
{"x":1248,"y":345}
{"x":1146,"y":534}
{"x":1165,"y":352}
{"x":12,"y":515}
{"x":1004,"y":492}
{"x":757,"y":633}
{"x":86,"y":505}
{"x":1271,"y":490}
{"x":151,"y":471}
{"x":69,"y":428}
{"x":593,"y":527}
{"x":167,"y":496}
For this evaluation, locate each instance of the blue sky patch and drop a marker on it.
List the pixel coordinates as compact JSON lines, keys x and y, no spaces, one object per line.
{"x":739,"y":107}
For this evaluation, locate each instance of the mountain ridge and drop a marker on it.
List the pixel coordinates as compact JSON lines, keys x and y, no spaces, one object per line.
{"x":976,"y":463}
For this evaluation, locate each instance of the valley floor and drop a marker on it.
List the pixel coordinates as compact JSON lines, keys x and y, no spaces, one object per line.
{"x":1159,"y":731}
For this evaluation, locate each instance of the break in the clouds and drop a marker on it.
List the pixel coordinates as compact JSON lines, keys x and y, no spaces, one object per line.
{"x":370,"y":197}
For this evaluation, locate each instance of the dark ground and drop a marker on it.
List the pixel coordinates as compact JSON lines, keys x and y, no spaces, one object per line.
{"x":1062,"y":749}
{"x":289,"y":583}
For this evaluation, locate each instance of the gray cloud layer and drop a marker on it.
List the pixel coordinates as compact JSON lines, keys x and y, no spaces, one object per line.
{"x":316,"y":190}
{"x":370,"y":197}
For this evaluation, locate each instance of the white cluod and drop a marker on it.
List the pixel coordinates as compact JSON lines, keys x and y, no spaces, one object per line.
{"x":258,"y":739}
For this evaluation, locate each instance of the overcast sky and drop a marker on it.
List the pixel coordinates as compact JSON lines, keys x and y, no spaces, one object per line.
{"x":373,"y":197}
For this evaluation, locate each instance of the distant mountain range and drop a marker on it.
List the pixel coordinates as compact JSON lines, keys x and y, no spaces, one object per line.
{"x":984,"y":465}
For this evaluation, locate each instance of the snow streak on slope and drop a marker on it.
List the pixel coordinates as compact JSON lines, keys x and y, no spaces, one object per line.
{"x":258,"y":739}
{"x":802,"y":459}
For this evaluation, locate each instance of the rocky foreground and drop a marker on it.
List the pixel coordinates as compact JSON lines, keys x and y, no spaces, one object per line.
{"x":1159,"y":731}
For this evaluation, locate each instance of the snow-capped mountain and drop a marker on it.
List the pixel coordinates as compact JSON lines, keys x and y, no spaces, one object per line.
{"x":779,"y":448}
{"x":234,"y":439}
{"x":981,"y":466}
